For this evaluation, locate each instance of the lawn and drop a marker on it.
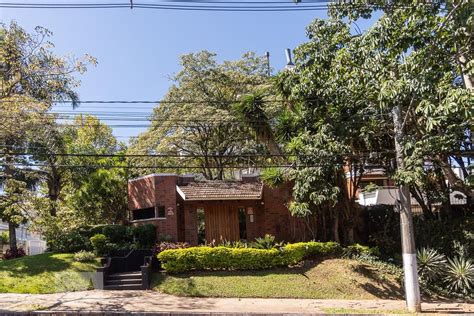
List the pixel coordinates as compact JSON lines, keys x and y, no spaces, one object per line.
{"x":45,"y":273}
{"x":328,"y":279}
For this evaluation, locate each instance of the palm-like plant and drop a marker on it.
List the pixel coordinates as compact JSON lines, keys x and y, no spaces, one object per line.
{"x":460,"y":275}
{"x":430,"y":264}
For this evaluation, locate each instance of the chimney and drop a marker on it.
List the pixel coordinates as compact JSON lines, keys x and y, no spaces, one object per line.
{"x":186,"y":179}
{"x":289,"y":62}
{"x":248,"y":178}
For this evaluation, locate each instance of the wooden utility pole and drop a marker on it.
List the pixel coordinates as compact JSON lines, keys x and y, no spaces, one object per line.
{"x":412,"y":288}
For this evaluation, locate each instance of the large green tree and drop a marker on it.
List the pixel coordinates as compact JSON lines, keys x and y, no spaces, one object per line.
{"x":32,"y":78}
{"x":343,"y":89}
{"x":197,"y":116}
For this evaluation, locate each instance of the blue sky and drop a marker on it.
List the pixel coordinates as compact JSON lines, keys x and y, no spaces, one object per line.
{"x":138,"y":49}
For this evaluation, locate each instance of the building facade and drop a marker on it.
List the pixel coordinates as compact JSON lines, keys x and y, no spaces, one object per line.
{"x":183,"y":209}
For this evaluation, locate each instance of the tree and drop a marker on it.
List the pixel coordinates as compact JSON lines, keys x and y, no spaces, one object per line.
{"x":197,"y":117}
{"x":15,"y":207}
{"x":32,"y":78}
{"x":341,"y":93}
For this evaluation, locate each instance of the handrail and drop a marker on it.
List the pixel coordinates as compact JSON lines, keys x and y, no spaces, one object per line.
{"x":134,"y":260}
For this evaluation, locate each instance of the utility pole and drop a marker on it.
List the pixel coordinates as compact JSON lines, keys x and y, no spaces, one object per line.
{"x":267,"y":56}
{"x":412,"y":288}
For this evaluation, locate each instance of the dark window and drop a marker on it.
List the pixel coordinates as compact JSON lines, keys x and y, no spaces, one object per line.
{"x":161,"y":211}
{"x":144,"y":213}
{"x":201,"y":225}
{"x":242,"y":224}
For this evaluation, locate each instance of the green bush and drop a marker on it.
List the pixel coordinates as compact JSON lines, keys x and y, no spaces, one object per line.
{"x":144,"y":235}
{"x":357,"y":250}
{"x":116,"y":233}
{"x":460,"y":276}
{"x":225,"y":258}
{"x":84,"y":256}
{"x":99,"y":243}
{"x":69,"y":241}
{"x":266,"y":242}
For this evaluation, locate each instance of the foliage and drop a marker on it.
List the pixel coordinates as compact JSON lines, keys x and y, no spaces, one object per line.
{"x":99,"y":243}
{"x":225,"y":258}
{"x":460,"y":275}
{"x":166,"y":245}
{"x":15,"y":206}
{"x":201,"y":102}
{"x":266,"y":242}
{"x":357,"y":250}
{"x":430,"y":264}
{"x":443,"y":233}
{"x":84,"y":256}
{"x":144,"y":235}
{"x":14,"y":253}
{"x":115,"y":233}
{"x":4,"y":238}
{"x":68,"y":241}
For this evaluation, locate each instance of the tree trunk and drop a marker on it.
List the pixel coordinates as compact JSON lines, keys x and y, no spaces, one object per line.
{"x":12,"y":236}
{"x":336,"y":228}
{"x":419,"y":198}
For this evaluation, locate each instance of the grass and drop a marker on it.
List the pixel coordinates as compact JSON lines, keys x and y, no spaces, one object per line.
{"x":351,"y":311}
{"x":45,"y":273}
{"x":328,"y":279}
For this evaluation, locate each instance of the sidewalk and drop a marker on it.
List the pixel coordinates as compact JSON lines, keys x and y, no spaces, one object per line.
{"x":149,"y":302}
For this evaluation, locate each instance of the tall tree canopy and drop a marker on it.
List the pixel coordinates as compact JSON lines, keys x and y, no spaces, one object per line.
{"x":32,"y":78}
{"x":197,"y":116}
{"x":342,"y":91}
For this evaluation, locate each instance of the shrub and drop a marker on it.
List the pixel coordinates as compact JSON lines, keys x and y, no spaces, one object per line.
{"x":430,"y":264}
{"x":162,"y":246}
{"x":116,"y":233}
{"x":84,"y":256}
{"x":226,"y":258}
{"x":357,"y":250}
{"x":266,"y":242}
{"x":144,"y":235}
{"x":460,"y":275}
{"x":69,"y":241}
{"x":99,"y":243}
{"x":4,"y":238}
{"x":14,"y":253}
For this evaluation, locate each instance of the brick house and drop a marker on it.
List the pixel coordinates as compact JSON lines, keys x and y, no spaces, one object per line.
{"x":184,"y":209}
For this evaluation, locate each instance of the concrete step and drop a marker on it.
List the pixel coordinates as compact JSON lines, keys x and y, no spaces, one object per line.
{"x":123,"y":287}
{"x":123,"y":281}
{"x":125,"y":275}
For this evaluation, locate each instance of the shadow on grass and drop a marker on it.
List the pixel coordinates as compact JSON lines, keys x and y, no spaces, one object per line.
{"x":383,"y":289}
{"x":34,"y":265}
{"x":379,"y":284}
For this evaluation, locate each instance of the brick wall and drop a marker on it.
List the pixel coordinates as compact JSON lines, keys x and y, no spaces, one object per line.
{"x":153,"y":191}
{"x":276,"y":218}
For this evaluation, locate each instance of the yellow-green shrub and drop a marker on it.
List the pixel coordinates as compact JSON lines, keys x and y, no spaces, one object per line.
{"x":225,"y":258}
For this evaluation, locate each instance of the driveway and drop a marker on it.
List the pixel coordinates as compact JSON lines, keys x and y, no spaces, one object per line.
{"x":149,"y":301}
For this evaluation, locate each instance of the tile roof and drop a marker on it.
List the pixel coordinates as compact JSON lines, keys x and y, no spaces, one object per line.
{"x":220,"y":190}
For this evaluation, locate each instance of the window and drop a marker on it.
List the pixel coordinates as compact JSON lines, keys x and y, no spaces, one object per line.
{"x":161,"y":212}
{"x":242,"y":224}
{"x":143,"y":213}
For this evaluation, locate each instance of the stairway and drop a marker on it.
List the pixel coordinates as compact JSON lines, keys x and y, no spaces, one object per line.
{"x":124,"y":281}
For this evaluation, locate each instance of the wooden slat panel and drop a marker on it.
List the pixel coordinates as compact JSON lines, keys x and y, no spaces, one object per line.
{"x":222,"y":223}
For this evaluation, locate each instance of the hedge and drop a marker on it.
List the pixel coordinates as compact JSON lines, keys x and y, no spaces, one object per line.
{"x":225,"y":258}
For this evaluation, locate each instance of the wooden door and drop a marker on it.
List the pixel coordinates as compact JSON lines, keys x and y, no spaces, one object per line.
{"x":222,"y":223}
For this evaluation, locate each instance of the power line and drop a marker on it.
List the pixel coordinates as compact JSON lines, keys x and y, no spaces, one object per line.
{"x":359,"y":155}
{"x":170,"y":166}
{"x":230,"y":6}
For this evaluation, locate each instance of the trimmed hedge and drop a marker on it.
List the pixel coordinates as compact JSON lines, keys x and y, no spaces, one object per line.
{"x":225,"y":258}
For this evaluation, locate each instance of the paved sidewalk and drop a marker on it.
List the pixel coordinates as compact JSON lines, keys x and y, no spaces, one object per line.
{"x":149,"y":301}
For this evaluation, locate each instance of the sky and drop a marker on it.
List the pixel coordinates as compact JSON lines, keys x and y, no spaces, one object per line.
{"x":138,"y":49}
